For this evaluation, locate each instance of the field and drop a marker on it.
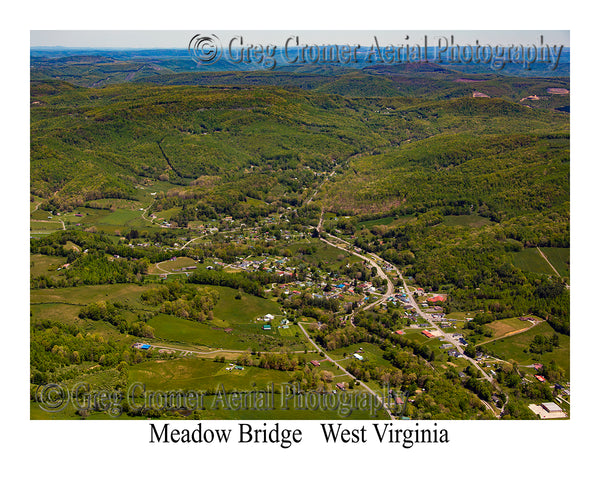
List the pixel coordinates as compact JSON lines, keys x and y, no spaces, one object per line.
{"x":530,"y":260}
{"x":180,"y":330}
{"x":172,"y":265}
{"x":506,"y":326}
{"x":377,"y":221}
{"x":243,"y":310}
{"x":466,"y":221}
{"x":45,"y":264}
{"x":129,"y":294}
{"x":513,"y":348}
{"x":560,"y":258}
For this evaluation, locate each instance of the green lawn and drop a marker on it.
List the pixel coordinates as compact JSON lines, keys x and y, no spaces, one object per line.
{"x":370,"y":353}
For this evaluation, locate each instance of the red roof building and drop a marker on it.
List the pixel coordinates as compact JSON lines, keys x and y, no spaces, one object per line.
{"x":540,"y":378}
{"x":427,"y":334}
{"x":437,"y":298}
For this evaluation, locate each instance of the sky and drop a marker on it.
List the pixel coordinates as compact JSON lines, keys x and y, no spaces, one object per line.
{"x":122,"y":39}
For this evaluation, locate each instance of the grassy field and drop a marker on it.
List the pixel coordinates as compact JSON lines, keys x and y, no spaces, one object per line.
{"x":530,"y":260}
{"x":172,"y":265}
{"x":170,"y":328}
{"x":377,"y":221}
{"x":125,"y":293}
{"x":370,"y":353}
{"x":516,"y":348}
{"x":560,"y":258}
{"x":243,"y":310}
{"x":44,"y":264}
{"x":291,"y":331}
{"x":201,"y":374}
{"x":506,"y":326}
{"x":44,"y":226}
{"x":466,"y":221}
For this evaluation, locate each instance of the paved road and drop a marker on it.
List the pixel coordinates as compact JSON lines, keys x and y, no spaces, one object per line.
{"x":448,"y":338}
{"x":327,"y":357}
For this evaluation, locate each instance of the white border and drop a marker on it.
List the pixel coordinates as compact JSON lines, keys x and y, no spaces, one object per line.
{"x":486,"y":449}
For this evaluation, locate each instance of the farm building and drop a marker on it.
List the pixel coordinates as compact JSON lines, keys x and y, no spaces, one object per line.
{"x":358,"y":356}
{"x":427,"y":334}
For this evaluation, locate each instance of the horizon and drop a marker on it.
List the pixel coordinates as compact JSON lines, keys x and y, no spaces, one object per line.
{"x":179,"y":39}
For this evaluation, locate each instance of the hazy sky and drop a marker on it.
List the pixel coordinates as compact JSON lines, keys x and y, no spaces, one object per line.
{"x":181,"y":38}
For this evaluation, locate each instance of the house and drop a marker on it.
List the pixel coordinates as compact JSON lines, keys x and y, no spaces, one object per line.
{"x":357,"y":356}
{"x":268,"y":317}
{"x":316,"y":363}
{"x":399,"y":332}
{"x":540,"y":378}
{"x":266,"y":327}
{"x":341,"y":386}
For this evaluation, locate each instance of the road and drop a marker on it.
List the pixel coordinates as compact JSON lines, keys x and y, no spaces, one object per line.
{"x":510,"y":334}
{"x":328,"y":358}
{"x":380,"y":272}
{"x":377,"y":261}
{"x":219,"y":350}
{"x":548,"y":262}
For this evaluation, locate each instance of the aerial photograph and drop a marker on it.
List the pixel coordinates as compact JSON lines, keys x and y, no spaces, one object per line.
{"x":310,"y":225}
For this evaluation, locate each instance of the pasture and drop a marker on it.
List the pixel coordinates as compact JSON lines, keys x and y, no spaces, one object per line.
{"x":473,"y":221}
{"x":530,"y":260}
{"x":560,"y":258}
{"x":517,"y":348}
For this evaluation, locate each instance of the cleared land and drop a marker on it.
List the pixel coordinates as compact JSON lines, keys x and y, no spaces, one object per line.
{"x":517,"y":348}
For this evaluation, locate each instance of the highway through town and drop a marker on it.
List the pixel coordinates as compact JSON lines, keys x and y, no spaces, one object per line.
{"x":377,"y":262}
